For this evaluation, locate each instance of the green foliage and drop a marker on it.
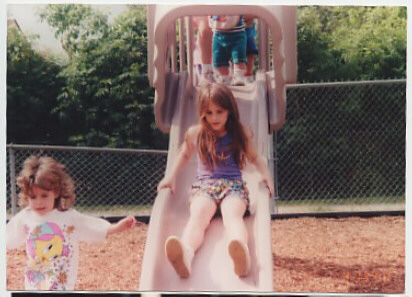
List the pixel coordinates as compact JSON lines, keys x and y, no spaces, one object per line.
{"x":32,"y":89}
{"x":346,"y":141}
{"x":107,"y":100}
{"x":102,"y":96}
{"x":76,"y":25}
{"x":351,"y":43}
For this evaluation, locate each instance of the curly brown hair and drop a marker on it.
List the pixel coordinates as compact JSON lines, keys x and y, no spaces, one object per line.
{"x":222,"y":96}
{"x":48,"y":174}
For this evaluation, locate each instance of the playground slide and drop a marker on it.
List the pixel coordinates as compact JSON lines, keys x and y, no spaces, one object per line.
{"x":212,"y":268}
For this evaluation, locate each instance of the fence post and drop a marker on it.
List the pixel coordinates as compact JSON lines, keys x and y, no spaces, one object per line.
{"x":13,"y":180}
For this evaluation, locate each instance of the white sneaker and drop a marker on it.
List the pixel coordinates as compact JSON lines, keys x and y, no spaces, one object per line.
{"x":225,"y":79}
{"x":249,"y":79}
{"x":239,"y":253}
{"x":238,"y":80}
{"x":207,"y":77}
{"x":179,"y":256}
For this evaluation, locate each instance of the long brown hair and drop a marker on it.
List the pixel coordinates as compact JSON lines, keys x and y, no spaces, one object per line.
{"x":222,"y":96}
{"x":48,"y":174}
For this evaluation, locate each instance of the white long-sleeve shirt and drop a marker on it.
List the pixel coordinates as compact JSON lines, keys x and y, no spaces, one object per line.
{"x":52,"y":245}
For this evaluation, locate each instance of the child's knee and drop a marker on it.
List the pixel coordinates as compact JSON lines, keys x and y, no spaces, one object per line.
{"x":199,"y":222}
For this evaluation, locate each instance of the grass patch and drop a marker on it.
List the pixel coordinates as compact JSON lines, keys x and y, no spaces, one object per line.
{"x":344,"y":201}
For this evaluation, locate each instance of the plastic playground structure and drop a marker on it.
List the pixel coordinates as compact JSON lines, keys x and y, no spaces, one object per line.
{"x":262,"y":106}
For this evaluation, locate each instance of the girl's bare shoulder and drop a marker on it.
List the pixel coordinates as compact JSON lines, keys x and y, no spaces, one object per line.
{"x":191,"y":135}
{"x":193,"y":132}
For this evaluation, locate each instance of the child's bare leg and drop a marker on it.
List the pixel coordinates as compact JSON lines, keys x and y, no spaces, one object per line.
{"x":233,"y":209}
{"x":180,"y":252}
{"x":249,"y":68}
{"x":222,"y":70}
{"x":205,"y":40}
{"x":250,"y":65}
{"x":202,"y":210}
{"x":240,"y":66}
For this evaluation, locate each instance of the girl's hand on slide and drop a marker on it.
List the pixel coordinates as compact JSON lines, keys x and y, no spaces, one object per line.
{"x":270,"y":187}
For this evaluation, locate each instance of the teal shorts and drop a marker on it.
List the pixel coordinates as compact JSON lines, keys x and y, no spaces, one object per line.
{"x":228,"y":46}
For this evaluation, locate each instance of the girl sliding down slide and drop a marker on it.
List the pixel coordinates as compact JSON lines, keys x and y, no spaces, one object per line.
{"x":223,"y":146}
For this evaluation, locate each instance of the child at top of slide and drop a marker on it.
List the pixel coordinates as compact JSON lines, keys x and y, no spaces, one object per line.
{"x":251,"y":49}
{"x":204,"y":46}
{"x":229,"y":44}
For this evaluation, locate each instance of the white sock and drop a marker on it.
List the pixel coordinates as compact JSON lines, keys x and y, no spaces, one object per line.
{"x":225,"y":79}
{"x":239,"y":72}
{"x":207,"y":68}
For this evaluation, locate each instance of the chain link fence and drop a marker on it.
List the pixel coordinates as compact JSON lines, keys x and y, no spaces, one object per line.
{"x":109,"y":182}
{"x":342,"y":148}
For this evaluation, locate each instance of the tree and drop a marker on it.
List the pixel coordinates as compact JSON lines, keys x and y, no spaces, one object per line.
{"x":32,"y":90}
{"x":76,"y":25}
{"x":351,"y":43}
{"x":102,"y":96}
{"x":362,"y":125}
{"x":372,"y":41}
{"x":107,"y":95}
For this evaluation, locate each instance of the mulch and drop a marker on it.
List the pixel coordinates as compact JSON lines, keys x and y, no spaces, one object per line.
{"x":346,"y":255}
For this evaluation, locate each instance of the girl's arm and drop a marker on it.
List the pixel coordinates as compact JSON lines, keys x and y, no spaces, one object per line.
{"x":15,"y":235}
{"x":92,"y":229}
{"x":169,"y":181}
{"x":122,"y":225}
{"x":260,"y":164}
{"x":262,"y":167}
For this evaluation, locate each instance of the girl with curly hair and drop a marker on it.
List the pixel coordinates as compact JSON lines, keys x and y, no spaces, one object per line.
{"x":50,"y":228}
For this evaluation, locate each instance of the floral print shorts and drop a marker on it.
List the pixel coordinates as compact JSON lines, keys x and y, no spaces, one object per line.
{"x":219,"y":188}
